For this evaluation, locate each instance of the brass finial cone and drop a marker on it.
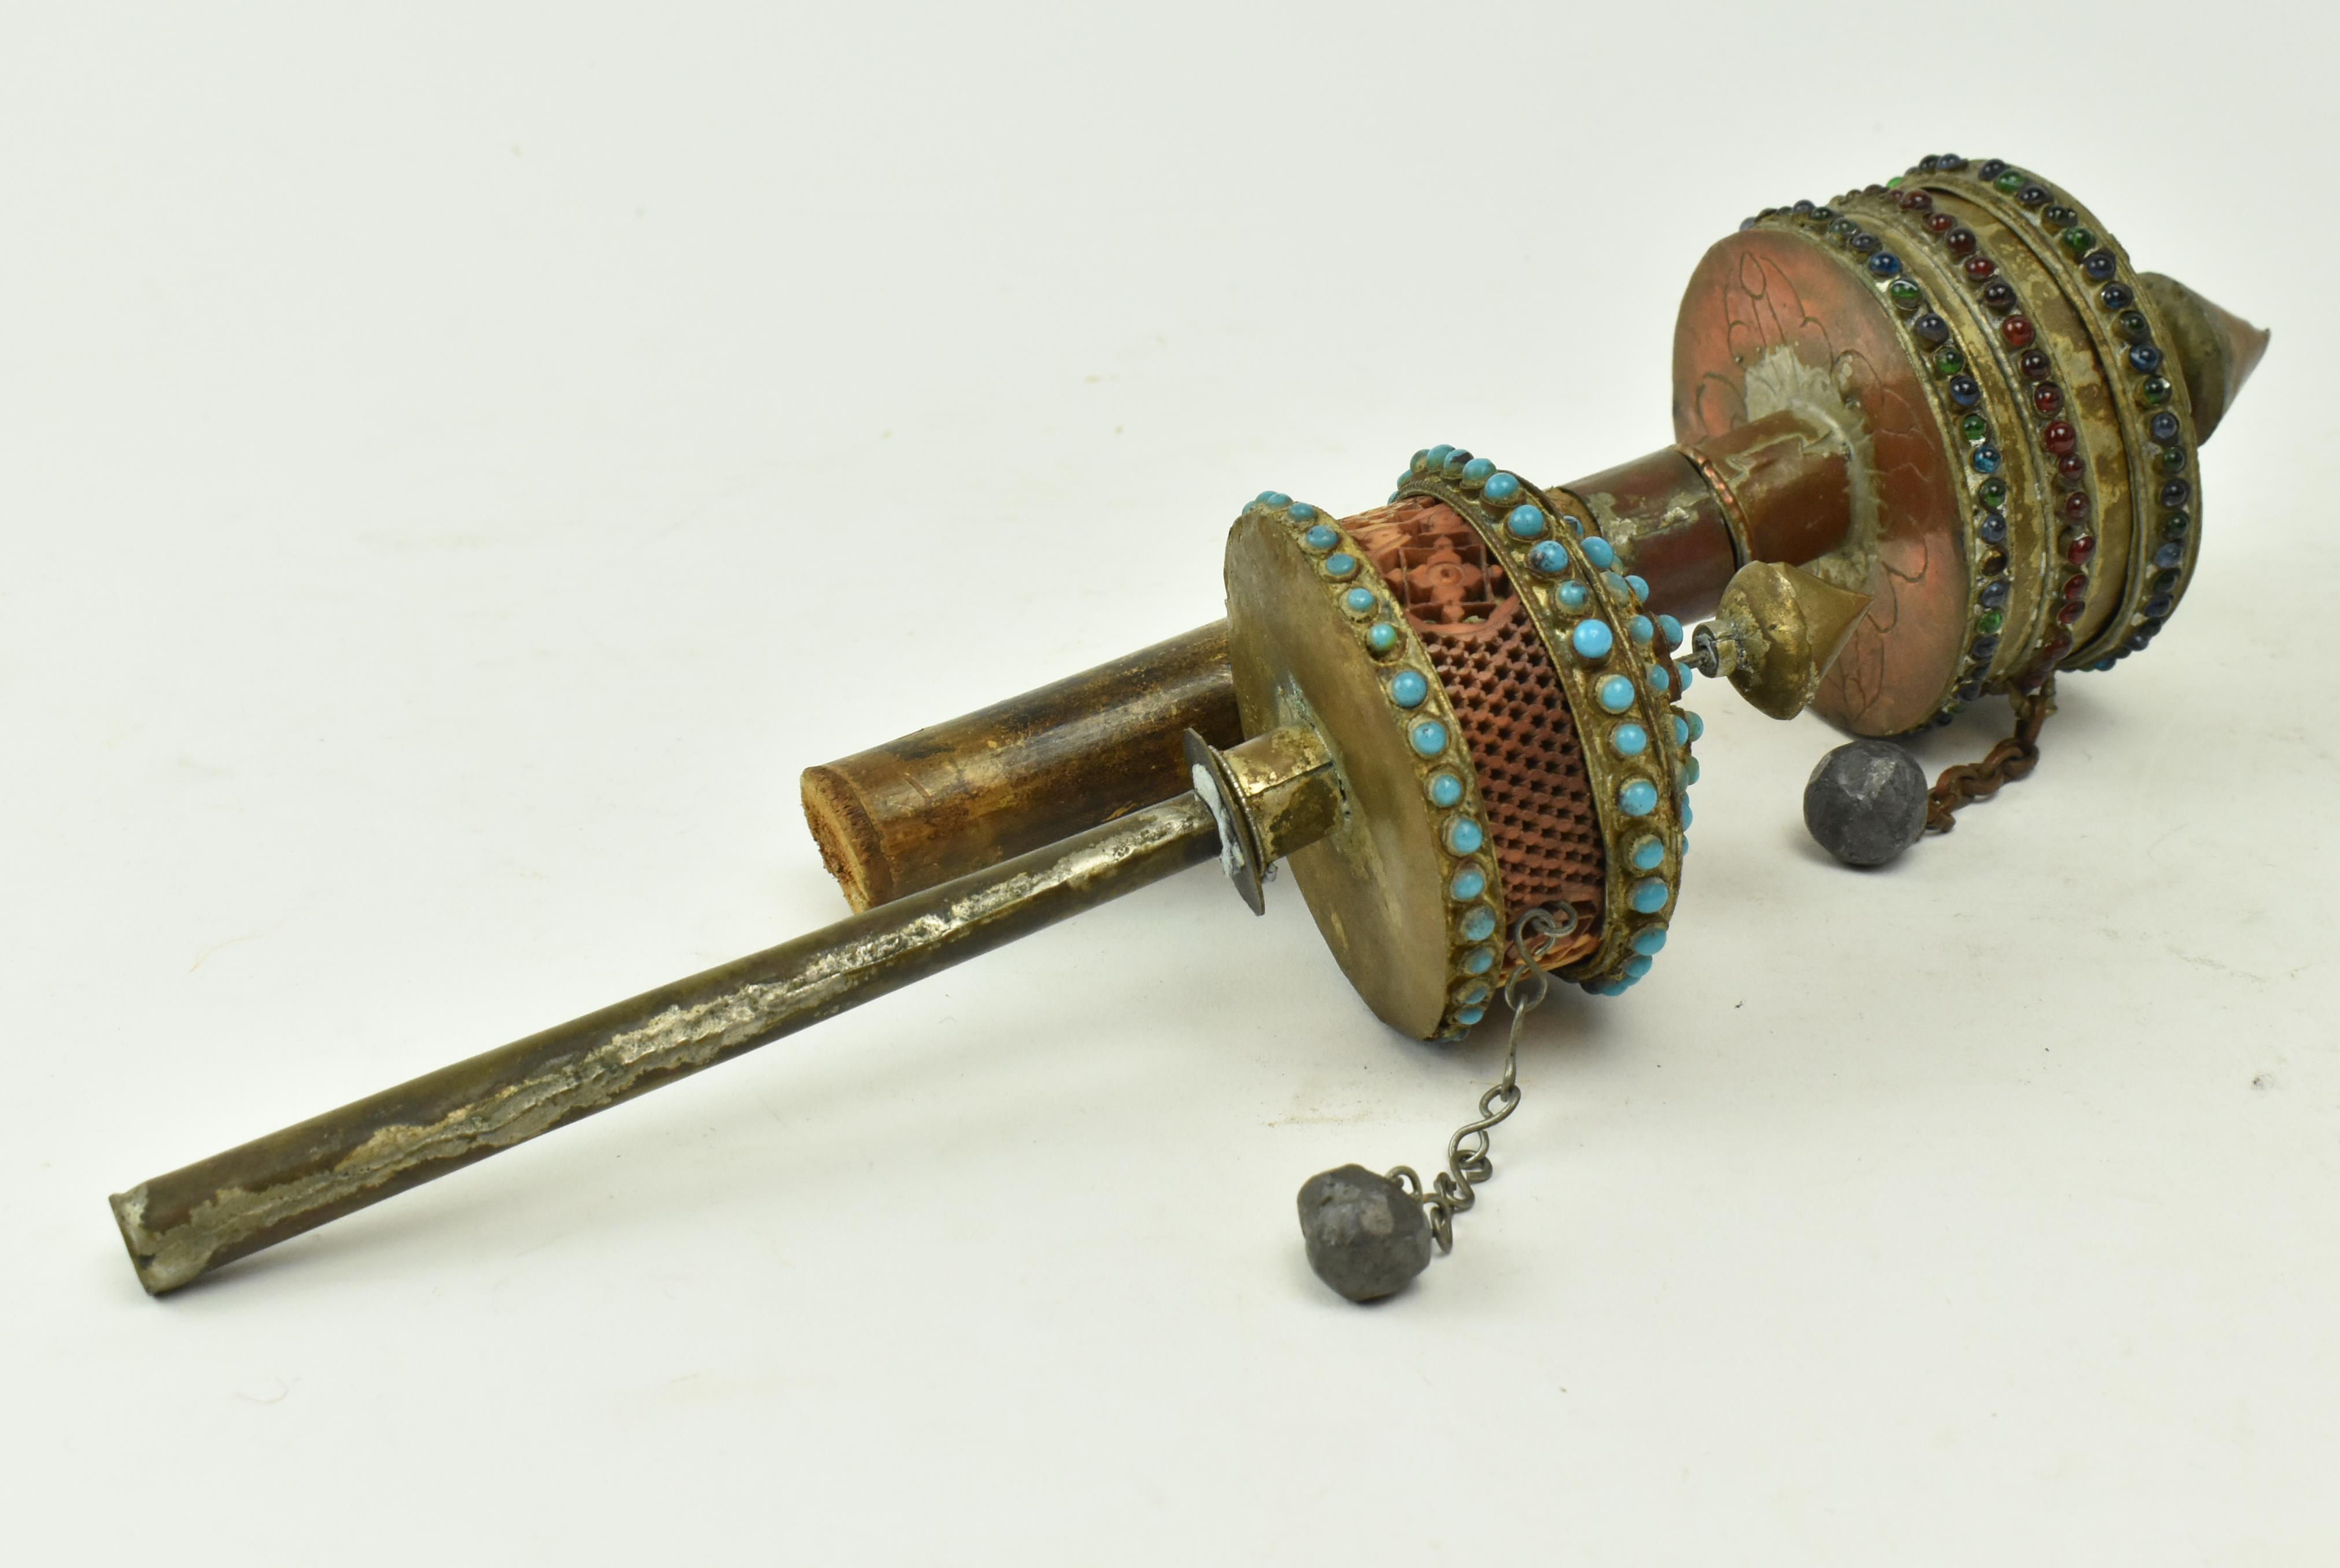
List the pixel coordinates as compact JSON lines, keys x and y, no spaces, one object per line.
{"x":2216,"y":350}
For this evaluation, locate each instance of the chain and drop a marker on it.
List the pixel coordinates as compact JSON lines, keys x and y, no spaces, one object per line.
{"x":1469,"y":1158}
{"x":2010,"y":759}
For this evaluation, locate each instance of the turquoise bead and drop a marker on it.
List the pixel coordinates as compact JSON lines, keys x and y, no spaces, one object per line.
{"x":1320,"y":538}
{"x":1446,"y":789}
{"x":1686,"y":816}
{"x":1471,"y":994}
{"x":1672,"y":630}
{"x":1681,"y":731}
{"x":1630,"y":740}
{"x":1428,"y":738}
{"x":1616,"y":693}
{"x":1478,"y":925}
{"x":1477,"y":471}
{"x":1503,"y":487}
{"x":1638,"y":965}
{"x":1468,"y":883}
{"x":1339,"y":564}
{"x":1660,"y":682}
{"x":1479,"y":960}
{"x":1381,"y":636}
{"x":1439,"y":454}
{"x":1575,"y":525}
{"x":1599,"y":551}
{"x":1408,"y":689}
{"x":1273,"y":500}
{"x":1593,"y":640}
{"x":1572,"y":595}
{"x":1464,"y":836}
{"x":1470,"y":1015}
{"x":1615,"y":585}
{"x":1419,"y":461}
{"x":1697,"y":724}
{"x":1302,"y":512}
{"x":1650,"y":943}
{"x":1360,"y":601}
{"x":1526,"y":522}
{"x":1640,"y":629}
{"x":1550,"y":559}
{"x":1640,"y":586}
{"x":1689,"y":771}
{"x":1639,"y":797}
{"x":1648,"y":855}
{"x":1683,"y":672}
{"x":1648,"y":896}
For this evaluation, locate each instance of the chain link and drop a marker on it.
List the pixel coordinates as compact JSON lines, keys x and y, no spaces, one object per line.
{"x":2010,"y":759}
{"x":1469,"y":1153}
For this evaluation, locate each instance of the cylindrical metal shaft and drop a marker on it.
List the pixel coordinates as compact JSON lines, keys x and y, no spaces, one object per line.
{"x":181,"y":1226}
{"x":1020,"y":774}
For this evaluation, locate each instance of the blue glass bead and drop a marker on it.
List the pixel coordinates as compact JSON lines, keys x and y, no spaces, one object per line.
{"x":1479,"y":960}
{"x":1616,"y":693}
{"x":1648,"y":896}
{"x":1320,"y":538}
{"x":1503,"y":487}
{"x":1438,"y":455}
{"x":1864,"y":244}
{"x":1681,"y":678}
{"x":1428,"y":737}
{"x":1648,"y":855}
{"x":1593,"y":640}
{"x":1408,"y":689}
{"x":1468,"y":883}
{"x":1550,"y":557}
{"x":1477,"y":471}
{"x":1599,"y":551}
{"x":1630,"y":740}
{"x":1985,"y":458}
{"x":1478,"y":925}
{"x":1359,"y":601}
{"x":1339,"y":564}
{"x":2176,"y":493}
{"x":2100,"y":265}
{"x":2170,"y":556}
{"x":1273,"y":500}
{"x":1650,"y":942}
{"x":1994,"y":594}
{"x":2145,"y":357}
{"x":1931,"y":328}
{"x":1964,"y":391}
{"x":1527,"y":522}
{"x":1446,"y":789}
{"x":2157,"y":606}
{"x":1672,"y":631}
{"x":2117,"y":297}
{"x":1469,"y":1016}
{"x":1302,"y":512}
{"x":1885,"y":264}
{"x":1637,"y":966}
{"x":1639,"y":797}
{"x":1992,"y":527}
{"x":1641,"y":629}
{"x":1660,"y":682}
{"x":1572,"y":595}
{"x":1381,"y":636}
{"x":1697,"y":724}
{"x":2164,"y":426}
{"x":1682,"y":730}
{"x":1464,"y":836}
{"x":1640,"y":586}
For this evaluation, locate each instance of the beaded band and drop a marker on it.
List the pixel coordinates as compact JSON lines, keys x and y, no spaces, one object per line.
{"x":1419,"y":708}
{"x":1636,"y":746}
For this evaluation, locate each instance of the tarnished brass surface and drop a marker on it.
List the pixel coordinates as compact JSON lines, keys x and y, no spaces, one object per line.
{"x":1785,"y":481}
{"x":1021,"y":774}
{"x":2217,"y":350}
{"x":181,"y":1226}
{"x":1274,"y":794}
{"x":1777,"y":630}
{"x":1664,"y":519}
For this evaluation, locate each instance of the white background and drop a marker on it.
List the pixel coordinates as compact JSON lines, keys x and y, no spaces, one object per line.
{"x":457,"y":464}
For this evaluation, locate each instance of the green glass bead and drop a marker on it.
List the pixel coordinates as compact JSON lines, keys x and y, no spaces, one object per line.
{"x":1989,"y":621}
{"x":2132,"y":325}
{"x":2078,"y":241}
{"x":1973,"y":427}
{"x":2012,"y":181}
{"x":1949,"y":362}
{"x":1993,"y":493}
{"x":2173,"y":460}
{"x":1894,"y":183}
{"x":2176,"y":524}
{"x":2164,"y":581}
{"x":1906,"y":294}
{"x":2155,"y":392}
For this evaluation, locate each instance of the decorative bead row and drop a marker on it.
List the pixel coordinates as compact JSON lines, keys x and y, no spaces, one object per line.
{"x":2155,"y":418}
{"x":1419,"y":708}
{"x":1621,"y":684}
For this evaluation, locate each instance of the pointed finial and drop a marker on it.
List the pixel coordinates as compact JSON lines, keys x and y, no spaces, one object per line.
{"x":2216,"y":350}
{"x":1775,"y":633}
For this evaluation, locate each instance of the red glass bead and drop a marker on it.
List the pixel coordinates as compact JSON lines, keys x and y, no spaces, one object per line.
{"x":1940,"y":222}
{"x":2075,"y":585}
{"x":2072,"y":469}
{"x":2069,"y":610}
{"x":2059,"y":438}
{"x":1979,"y":268}
{"x":2048,"y":398}
{"x":1915,"y":201}
{"x":2078,"y":550}
{"x":2057,"y":647}
{"x":1961,"y":241}
{"x":2017,"y":330}
{"x":2076,"y":507}
{"x":2034,"y":365}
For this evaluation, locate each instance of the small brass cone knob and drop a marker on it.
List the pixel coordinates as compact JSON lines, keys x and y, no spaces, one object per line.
{"x":2216,"y":350}
{"x":1775,"y":633}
